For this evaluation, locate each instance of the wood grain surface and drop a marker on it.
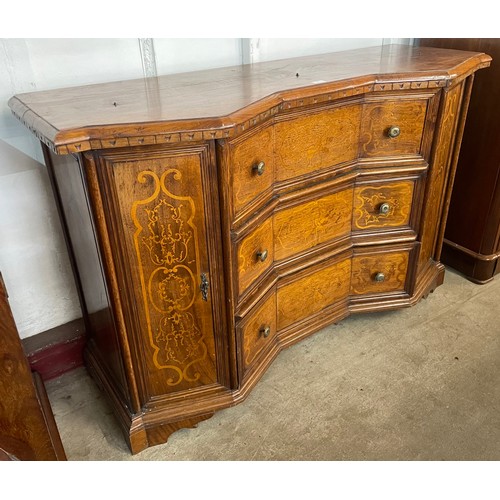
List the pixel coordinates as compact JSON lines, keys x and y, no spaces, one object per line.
{"x":316,"y":141}
{"x":313,"y":292}
{"x":378,"y":117}
{"x":312,"y":223}
{"x":250,"y":267}
{"x":365,"y":267}
{"x":28,"y":430}
{"x":211,"y":103}
{"x":369,"y":198}
{"x":161,"y":211}
{"x":252,"y":331}
{"x":245,"y":154}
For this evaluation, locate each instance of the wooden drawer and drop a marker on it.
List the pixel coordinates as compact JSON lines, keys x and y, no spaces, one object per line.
{"x":302,"y":144}
{"x":255,"y":254}
{"x":408,"y":116}
{"x":312,"y":142}
{"x":312,"y":292}
{"x":379,"y":273}
{"x":382,"y":205}
{"x":257,"y":331}
{"x":313,"y":223}
{"x":251,"y":164}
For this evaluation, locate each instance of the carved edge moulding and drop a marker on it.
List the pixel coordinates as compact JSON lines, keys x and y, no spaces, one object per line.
{"x":204,"y":246}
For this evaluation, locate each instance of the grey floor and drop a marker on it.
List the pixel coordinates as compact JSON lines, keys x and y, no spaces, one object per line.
{"x":415,"y":384}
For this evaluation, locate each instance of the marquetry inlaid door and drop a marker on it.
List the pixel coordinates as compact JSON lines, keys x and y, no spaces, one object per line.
{"x":162,"y":232}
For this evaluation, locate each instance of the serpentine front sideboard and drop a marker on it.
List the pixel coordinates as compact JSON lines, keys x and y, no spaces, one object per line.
{"x":216,"y":217}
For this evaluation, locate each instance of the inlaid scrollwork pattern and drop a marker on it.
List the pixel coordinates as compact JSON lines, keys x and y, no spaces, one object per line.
{"x":166,"y":246}
{"x":438,"y":171}
{"x":368,"y":200}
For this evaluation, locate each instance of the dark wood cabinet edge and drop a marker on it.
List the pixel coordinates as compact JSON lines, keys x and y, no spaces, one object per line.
{"x":28,"y":428}
{"x":65,"y":229}
{"x":475,"y":267}
{"x":46,"y":409}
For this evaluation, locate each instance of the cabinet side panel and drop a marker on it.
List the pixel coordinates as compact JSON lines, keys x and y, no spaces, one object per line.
{"x":71,"y":191}
{"x":474,"y":217}
{"x":437,"y":197}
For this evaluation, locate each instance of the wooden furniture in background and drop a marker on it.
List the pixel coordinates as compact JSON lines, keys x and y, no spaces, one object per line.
{"x":27,"y":427}
{"x":217,"y":217}
{"x":472,"y":235}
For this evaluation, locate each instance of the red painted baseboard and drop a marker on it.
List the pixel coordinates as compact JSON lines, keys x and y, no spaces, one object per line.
{"x":56,"y":351}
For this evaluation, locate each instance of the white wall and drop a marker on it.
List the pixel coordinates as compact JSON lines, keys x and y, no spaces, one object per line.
{"x":33,"y":257}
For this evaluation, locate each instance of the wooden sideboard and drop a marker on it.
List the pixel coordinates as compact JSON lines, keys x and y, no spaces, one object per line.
{"x":472,"y":236}
{"x":216,"y":217}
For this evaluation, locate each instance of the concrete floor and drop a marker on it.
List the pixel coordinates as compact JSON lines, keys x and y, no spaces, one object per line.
{"x":415,"y":384}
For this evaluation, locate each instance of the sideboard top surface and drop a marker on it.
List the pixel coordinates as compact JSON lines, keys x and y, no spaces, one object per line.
{"x":213,"y":101}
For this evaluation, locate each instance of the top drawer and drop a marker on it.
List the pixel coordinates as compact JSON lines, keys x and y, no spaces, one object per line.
{"x":310,"y":142}
{"x":251,"y":164}
{"x":392,"y":128}
{"x":302,"y":143}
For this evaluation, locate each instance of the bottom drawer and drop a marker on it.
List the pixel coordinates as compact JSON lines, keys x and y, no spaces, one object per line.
{"x":313,"y":291}
{"x":257,"y":331}
{"x":379,"y":272}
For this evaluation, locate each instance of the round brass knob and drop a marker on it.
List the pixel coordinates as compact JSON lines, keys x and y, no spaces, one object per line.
{"x":384,"y":208}
{"x":259,"y":168}
{"x":265,"y":331}
{"x":379,"y":277}
{"x":262,"y":256}
{"x":393,"y":131}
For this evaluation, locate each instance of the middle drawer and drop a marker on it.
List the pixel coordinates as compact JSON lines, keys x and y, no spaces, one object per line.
{"x":294,"y":230}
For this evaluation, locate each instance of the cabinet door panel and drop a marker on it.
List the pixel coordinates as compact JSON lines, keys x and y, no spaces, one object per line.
{"x":162,"y":221}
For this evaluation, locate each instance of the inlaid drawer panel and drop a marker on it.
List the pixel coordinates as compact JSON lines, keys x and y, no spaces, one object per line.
{"x":305,"y":144}
{"x":379,"y":273}
{"x":252,"y":166}
{"x":313,"y":292}
{"x":316,"y":141}
{"x":255,"y":254}
{"x":392,"y":128}
{"x":310,"y":224}
{"x":257,"y":330}
{"x":382,"y":205}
